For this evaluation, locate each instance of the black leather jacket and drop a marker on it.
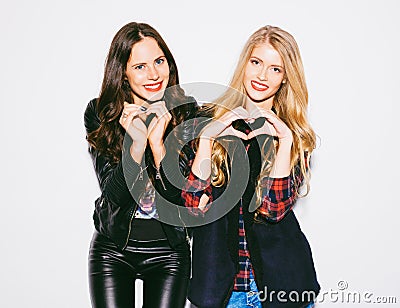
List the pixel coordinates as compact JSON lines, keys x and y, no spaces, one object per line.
{"x":121,"y":183}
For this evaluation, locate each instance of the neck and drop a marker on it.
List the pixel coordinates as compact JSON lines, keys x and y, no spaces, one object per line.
{"x":252,"y":105}
{"x":140,"y":100}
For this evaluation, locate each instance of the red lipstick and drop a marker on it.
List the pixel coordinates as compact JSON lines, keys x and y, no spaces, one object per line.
{"x":259,"y":86}
{"x":153,"y":87}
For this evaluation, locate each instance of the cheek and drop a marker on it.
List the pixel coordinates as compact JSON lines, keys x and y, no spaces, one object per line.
{"x":165,"y":71}
{"x":275,"y":88}
{"x":134,"y":80}
{"x":278,"y":83}
{"x":247,"y":76}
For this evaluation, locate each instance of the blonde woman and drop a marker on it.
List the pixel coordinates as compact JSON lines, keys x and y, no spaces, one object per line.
{"x":256,"y":254}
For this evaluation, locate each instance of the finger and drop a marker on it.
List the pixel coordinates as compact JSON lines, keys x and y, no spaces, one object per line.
{"x":159,"y":111}
{"x":269,"y":129}
{"x":233,"y":132}
{"x":144,"y":106}
{"x":233,"y":115}
{"x":240,"y":110}
{"x":132,"y":111}
{"x":273,"y":120}
{"x":138,"y":124}
{"x":261,"y":112}
{"x":132,"y":108}
{"x":155,"y":122}
{"x":256,"y":113}
{"x":158,"y":106}
{"x":126,"y":119}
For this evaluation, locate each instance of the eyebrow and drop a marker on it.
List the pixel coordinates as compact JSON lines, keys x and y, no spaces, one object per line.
{"x":263,"y":61}
{"x":143,"y":63}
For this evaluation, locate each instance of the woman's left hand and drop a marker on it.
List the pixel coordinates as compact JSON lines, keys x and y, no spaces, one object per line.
{"x":158,"y":124}
{"x":273,"y":126}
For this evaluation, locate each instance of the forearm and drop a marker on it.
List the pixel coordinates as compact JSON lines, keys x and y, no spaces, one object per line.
{"x":117,"y":181}
{"x":279,"y":194}
{"x":158,"y":153}
{"x":137,"y":152}
{"x":197,"y":195}
{"x":277,"y":198}
{"x":202,"y":163}
{"x":281,"y":167}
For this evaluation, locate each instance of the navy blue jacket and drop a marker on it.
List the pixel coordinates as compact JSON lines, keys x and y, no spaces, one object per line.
{"x":280,"y":254}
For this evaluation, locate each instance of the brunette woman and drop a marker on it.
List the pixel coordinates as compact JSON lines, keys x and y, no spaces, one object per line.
{"x":140,"y":104}
{"x":256,"y":254}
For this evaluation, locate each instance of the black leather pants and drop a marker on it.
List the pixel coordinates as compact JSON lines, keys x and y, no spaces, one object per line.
{"x":165,"y":273}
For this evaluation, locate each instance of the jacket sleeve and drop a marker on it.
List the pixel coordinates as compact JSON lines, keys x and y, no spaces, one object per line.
{"x":279,"y":195}
{"x":171,"y":176}
{"x":118,"y":181}
{"x":194,"y":189}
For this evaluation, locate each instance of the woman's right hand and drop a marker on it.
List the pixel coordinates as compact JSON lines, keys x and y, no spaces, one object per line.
{"x":133,"y":125}
{"x":222,"y":126}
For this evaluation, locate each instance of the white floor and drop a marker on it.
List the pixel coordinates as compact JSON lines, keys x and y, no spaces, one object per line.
{"x":139,"y":299}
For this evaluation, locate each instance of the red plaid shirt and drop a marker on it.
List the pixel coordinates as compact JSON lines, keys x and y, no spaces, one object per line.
{"x":278,"y":195}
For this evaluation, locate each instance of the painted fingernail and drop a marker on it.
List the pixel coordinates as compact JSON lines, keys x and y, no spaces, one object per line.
{"x":143,"y":108}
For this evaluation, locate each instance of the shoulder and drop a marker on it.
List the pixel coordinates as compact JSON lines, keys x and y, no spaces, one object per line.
{"x":192,"y":107}
{"x":91,"y":118}
{"x":204,"y":115}
{"x":206,"y":110}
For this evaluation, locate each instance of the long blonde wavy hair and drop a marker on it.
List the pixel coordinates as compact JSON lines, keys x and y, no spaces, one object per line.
{"x":290,"y":103}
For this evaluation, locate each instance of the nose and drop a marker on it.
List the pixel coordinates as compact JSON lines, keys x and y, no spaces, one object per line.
{"x":262,"y":74}
{"x":153,"y":73}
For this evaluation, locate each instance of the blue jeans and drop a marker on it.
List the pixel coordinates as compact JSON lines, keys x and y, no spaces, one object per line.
{"x":245,"y":299}
{"x":250,"y":298}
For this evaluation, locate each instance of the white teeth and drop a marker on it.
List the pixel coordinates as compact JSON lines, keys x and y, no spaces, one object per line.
{"x":152,"y":87}
{"x":259,"y":85}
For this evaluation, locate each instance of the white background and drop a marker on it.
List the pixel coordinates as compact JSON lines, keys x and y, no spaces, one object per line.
{"x":51,"y":64}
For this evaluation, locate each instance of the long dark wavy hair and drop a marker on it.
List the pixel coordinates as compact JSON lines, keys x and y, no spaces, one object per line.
{"x":108,"y":138}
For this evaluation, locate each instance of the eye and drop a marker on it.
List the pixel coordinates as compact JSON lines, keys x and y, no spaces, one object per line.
{"x":159,"y":61}
{"x":254,"y":61}
{"x":276,"y":69}
{"x":139,"y":67}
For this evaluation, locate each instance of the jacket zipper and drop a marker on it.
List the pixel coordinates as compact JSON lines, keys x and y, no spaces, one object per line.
{"x":130,"y":227}
{"x":184,"y":226}
{"x":132,"y":214}
{"x":158,"y":177}
{"x":140,"y":174}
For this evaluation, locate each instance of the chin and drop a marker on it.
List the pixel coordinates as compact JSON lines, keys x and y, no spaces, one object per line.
{"x":155,"y":96}
{"x":258,"y":98}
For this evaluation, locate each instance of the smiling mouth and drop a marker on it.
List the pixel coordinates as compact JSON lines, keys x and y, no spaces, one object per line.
{"x":259,"y":86}
{"x":154,"y":87}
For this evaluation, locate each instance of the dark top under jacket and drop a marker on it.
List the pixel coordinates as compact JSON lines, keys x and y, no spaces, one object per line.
{"x":121,"y":184}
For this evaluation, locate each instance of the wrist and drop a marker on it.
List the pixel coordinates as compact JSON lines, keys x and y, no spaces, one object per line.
{"x":206,"y":140}
{"x":137,"y":147}
{"x":156,"y":145}
{"x":137,"y":152}
{"x":158,"y":154}
{"x":287,"y":140}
